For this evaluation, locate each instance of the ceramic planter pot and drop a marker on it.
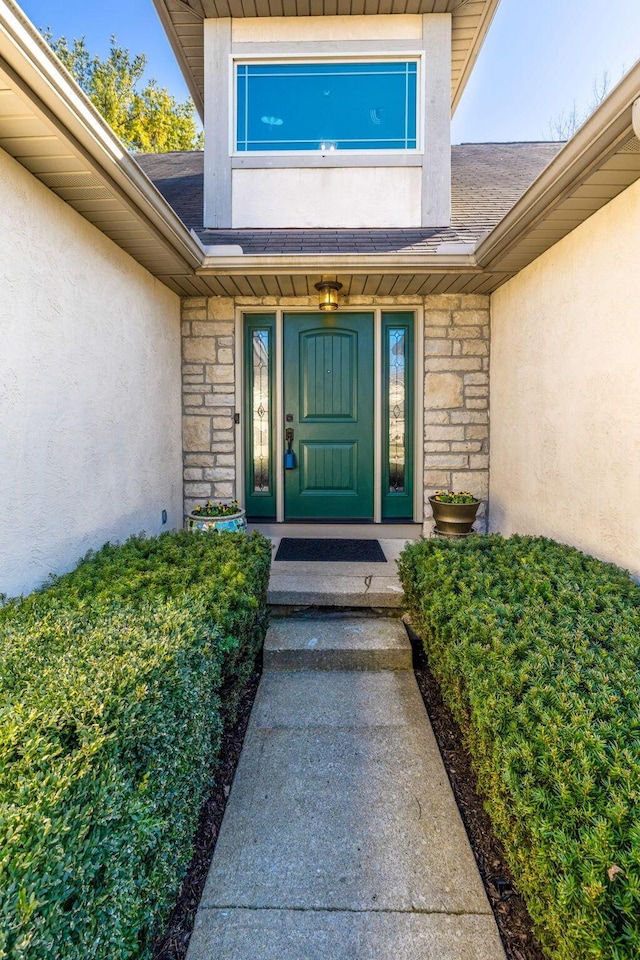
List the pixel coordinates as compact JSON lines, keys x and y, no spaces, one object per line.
{"x":454,"y":519}
{"x":233,"y":523}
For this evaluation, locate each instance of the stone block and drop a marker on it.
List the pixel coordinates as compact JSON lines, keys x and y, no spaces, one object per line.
{"x":476,"y":379}
{"x":190,"y":378}
{"x":479,"y":461}
{"x":223,"y":423}
{"x":436,"y":332}
{"x":193,"y":473}
{"x":436,"y":416}
{"x":221,"y":436}
{"x":220,"y":473}
{"x":198,"y":459}
{"x":221,"y":373}
{"x":189,"y":369}
{"x":476,"y":301}
{"x":465,"y":333}
{"x":225,"y":355}
{"x":220,"y":400}
{"x":211,"y":328}
{"x":443,"y":390}
{"x":437,"y":447}
{"x":443,"y":301}
{"x":446,"y":461}
{"x":435,"y":432}
{"x":438,"y":479}
{"x":199,"y":348}
{"x":197,"y":490}
{"x":220,"y":308}
{"x":196,"y":433}
{"x":476,"y":433}
{"x":467,"y":318}
{"x":456,"y":348}
{"x":195,"y":388}
{"x":437,"y":318}
{"x":475,"y":348}
{"x":469,"y":416}
{"x":467,"y":446}
{"x":224,"y":490}
{"x":185,"y":328}
{"x":478,"y":403}
{"x":474,"y":480}
{"x":476,"y":391}
{"x":193,"y":400}
{"x":434,"y":348}
{"x":225,"y":460}
{"x":435,"y":364}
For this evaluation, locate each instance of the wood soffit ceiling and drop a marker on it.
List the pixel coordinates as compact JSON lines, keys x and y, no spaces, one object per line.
{"x":182,"y":20}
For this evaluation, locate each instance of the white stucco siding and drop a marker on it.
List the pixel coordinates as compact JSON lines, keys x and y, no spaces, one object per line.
{"x":334,"y":197}
{"x":565,"y":390}
{"x":90,"y":435}
{"x":297,"y":29}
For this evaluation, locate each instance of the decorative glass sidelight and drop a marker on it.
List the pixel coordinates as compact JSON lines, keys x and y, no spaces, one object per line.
{"x":397,"y":423}
{"x":397,"y":435}
{"x":259,"y":337}
{"x":261,"y":411}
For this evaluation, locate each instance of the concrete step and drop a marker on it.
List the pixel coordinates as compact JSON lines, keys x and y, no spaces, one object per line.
{"x":334,"y":590}
{"x":337,"y":643}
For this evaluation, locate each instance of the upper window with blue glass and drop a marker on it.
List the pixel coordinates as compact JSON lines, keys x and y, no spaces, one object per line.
{"x":327,"y":106}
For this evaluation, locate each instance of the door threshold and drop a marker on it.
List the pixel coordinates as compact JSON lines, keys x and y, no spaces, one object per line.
{"x":339,"y":531}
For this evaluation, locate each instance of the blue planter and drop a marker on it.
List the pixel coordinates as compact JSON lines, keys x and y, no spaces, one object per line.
{"x":234,"y":523}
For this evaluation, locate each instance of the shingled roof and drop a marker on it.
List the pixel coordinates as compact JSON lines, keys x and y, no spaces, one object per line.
{"x":487,"y":179}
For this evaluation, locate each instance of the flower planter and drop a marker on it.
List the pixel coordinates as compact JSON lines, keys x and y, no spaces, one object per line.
{"x":454,"y":519}
{"x":233,"y":523}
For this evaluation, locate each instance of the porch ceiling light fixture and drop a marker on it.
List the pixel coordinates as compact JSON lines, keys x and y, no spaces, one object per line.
{"x":328,"y":289}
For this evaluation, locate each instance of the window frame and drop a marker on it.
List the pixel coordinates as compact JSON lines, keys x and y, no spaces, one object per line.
{"x":409,"y":56}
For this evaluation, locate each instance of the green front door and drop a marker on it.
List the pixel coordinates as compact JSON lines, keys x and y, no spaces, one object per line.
{"x":328,"y":404}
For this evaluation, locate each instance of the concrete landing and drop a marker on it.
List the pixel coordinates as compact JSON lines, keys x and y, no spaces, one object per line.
{"x":310,"y":584}
{"x":341,"y":839}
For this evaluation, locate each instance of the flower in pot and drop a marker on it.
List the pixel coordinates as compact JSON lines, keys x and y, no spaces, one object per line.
{"x":218,"y":516}
{"x":454,"y":513}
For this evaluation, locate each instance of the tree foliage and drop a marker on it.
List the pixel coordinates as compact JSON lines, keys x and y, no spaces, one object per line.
{"x":144,"y":115}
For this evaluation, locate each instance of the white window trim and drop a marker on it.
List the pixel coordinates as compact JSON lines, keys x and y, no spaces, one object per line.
{"x":333,"y":157}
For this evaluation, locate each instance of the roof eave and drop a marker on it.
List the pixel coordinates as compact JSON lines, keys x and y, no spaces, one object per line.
{"x":301,"y":264}
{"x":609,"y":126}
{"x":37,"y":72}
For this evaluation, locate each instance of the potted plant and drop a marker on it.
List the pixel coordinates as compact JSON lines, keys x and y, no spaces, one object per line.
{"x":454,"y":513}
{"x":221,"y":516}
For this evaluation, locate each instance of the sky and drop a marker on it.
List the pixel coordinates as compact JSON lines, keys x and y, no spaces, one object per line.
{"x":540,"y":56}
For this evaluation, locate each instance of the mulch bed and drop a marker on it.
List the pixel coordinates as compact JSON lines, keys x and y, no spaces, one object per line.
{"x":173,"y":943}
{"x":512,"y":917}
{"x":510,"y":912}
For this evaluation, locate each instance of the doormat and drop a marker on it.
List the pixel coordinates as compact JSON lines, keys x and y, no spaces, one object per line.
{"x":333,"y":551}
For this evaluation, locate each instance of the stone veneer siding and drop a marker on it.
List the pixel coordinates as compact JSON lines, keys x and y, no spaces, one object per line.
{"x":456,"y":391}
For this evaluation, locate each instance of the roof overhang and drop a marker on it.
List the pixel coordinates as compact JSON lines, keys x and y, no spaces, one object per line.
{"x":52,"y":129}
{"x":182,"y":21}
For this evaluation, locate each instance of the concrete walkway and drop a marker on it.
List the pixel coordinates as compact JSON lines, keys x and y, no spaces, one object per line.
{"x":341,"y":839}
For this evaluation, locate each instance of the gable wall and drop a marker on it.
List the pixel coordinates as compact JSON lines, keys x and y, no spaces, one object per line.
{"x":565,"y":390}
{"x":90,"y":435}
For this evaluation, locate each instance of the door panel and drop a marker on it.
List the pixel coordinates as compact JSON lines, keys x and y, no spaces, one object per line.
{"x":328,"y":402}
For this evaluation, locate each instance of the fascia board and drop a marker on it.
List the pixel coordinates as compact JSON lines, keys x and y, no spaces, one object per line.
{"x":597,"y":139}
{"x":487,"y":19}
{"x":179,"y":54}
{"x":30,"y":62}
{"x":337,"y":263}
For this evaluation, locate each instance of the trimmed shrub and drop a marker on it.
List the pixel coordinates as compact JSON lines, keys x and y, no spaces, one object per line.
{"x":537,"y":650}
{"x":117,"y":680}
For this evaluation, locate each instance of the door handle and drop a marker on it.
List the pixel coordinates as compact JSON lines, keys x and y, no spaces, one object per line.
{"x":289,"y":457}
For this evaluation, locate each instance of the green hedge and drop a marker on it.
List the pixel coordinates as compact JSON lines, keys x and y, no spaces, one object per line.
{"x":115,"y":685}
{"x":537,"y":650}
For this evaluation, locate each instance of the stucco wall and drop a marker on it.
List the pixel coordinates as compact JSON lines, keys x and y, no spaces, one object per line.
{"x":565,"y":391}
{"x":90,"y":437}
